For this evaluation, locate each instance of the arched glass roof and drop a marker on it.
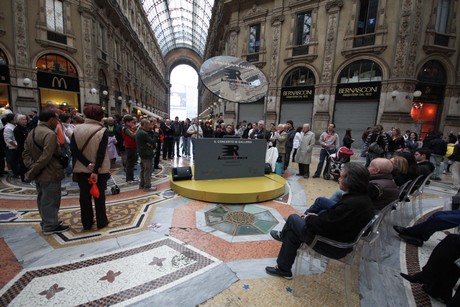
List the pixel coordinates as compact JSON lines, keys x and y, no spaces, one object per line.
{"x":179,"y":23}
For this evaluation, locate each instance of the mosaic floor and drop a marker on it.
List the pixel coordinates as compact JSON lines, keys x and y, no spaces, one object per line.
{"x":163,"y":249}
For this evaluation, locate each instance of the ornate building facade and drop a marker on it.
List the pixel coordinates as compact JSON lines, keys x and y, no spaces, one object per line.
{"x":79,"y":52}
{"x":356,"y":63}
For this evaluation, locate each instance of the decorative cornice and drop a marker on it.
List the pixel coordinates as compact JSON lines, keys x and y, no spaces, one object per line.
{"x":301,"y":59}
{"x":335,"y":3}
{"x":279,"y":18}
{"x":234,"y":29}
{"x":255,"y":13}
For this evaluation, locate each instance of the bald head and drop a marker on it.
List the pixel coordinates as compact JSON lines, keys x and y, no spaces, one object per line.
{"x":380,"y":166}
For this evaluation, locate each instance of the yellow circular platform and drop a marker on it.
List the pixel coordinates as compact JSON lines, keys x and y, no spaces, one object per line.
{"x":232,"y":191}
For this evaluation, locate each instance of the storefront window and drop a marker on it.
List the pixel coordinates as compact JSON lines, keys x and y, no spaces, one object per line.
{"x":425,"y":111}
{"x":58,"y":82}
{"x":4,"y":81}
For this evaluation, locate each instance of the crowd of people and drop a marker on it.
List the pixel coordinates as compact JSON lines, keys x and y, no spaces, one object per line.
{"x":34,"y":146}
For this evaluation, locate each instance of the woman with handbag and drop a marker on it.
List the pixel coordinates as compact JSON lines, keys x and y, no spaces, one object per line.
{"x":92,"y":165}
{"x":376,"y":144}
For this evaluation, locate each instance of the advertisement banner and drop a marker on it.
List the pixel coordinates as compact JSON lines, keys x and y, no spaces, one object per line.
{"x":228,"y":158}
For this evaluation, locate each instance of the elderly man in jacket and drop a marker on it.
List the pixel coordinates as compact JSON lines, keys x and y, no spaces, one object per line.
{"x":330,"y":142}
{"x":41,"y":157}
{"x":381,"y":189}
{"x":342,"y":222}
{"x":146,"y":147}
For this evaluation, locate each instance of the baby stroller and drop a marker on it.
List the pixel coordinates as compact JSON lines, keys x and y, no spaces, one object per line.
{"x":336,"y":160}
{"x":112,"y":184}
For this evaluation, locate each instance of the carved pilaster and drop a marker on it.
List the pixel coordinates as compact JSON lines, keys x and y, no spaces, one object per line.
{"x":233,"y":40}
{"x":88,"y":59}
{"x":275,"y":57}
{"x":274,"y":64}
{"x":453,"y":24}
{"x":333,"y":10}
{"x":2,"y":24}
{"x":416,"y":34}
{"x":20,"y":28}
{"x":407,"y":40}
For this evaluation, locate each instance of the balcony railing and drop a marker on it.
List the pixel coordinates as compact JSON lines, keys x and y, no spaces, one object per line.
{"x":300,"y":50}
{"x":364,"y":40}
{"x":441,"y":40}
{"x":56,"y":37}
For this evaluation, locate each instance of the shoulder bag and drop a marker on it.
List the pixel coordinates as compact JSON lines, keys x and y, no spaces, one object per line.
{"x":375,"y":147}
{"x":63,"y":158}
{"x":75,"y":175}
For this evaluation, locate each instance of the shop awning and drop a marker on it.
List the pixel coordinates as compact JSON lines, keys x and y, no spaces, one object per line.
{"x":147,"y":112}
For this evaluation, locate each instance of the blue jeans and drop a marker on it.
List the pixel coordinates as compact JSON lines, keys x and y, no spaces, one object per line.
{"x":48,"y":202}
{"x":436,"y":160}
{"x":186,"y":146}
{"x":177,"y":145}
{"x":439,"y":221}
{"x":320,"y":205}
{"x":294,"y":233}
{"x":323,"y":155}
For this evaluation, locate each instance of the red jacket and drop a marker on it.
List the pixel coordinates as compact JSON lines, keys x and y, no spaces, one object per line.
{"x":129,"y":142}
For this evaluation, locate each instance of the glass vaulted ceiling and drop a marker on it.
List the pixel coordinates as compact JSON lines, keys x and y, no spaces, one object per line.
{"x":179,"y":23}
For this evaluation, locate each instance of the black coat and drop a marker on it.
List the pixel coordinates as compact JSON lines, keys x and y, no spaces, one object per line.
{"x":342,"y":222}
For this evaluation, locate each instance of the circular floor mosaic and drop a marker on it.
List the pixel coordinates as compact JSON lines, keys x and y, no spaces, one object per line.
{"x":241,"y":220}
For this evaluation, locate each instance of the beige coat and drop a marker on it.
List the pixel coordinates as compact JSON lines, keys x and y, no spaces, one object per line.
{"x":305,"y":150}
{"x":281,"y":139}
{"x":81,"y":133}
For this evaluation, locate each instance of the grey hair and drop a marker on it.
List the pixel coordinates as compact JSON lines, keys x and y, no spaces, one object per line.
{"x":306,"y":125}
{"x":144,"y":122}
{"x":20,"y":116}
{"x":357,"y":177}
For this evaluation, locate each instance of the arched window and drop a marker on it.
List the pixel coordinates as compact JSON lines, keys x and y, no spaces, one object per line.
{"x":432,"y":72}
{"x":299,"y":77}
{"x":102,"y":79}
{"x":3,"y":59}
{"x":361,"y":71}
{"x":56,"y":64}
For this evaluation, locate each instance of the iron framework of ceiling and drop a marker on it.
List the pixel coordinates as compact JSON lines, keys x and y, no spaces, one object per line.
{"x":179,"y":23}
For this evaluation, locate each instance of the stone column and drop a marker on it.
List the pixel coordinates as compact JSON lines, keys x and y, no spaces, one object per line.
{"x":89,"y":52}
{"x":324,"y":109}
{"x":23,"y":97}
{"x":273,"y":99}
{"x":403,"y":72}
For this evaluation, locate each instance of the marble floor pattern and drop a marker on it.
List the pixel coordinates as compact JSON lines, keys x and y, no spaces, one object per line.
{"x":164,"y":249}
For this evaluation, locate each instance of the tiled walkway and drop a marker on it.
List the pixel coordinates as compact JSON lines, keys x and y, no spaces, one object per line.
{"x":163,"y":249}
